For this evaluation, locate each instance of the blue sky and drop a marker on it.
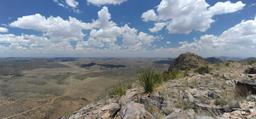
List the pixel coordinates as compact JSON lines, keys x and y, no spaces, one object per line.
{"x":127,"y":28}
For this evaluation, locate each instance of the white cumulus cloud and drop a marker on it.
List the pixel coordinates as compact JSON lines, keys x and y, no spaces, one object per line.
{"x":69,"y":4}
{"x":149,"y":15}
{"x":57,"y":33}
{"x":238,"y":40}
{"x":72,"y":3}
{"x":157,"y":27}
{"x":55,"y":28}
{"x":105,"y":2}
{"x":105,"y":34}
{"x":185,"y":16}
{"x":3,"y":30}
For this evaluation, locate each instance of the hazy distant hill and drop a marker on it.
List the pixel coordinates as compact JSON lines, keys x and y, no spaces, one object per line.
{"x":213,"y":60}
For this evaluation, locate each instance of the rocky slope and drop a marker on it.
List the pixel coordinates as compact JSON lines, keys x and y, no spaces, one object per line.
{"x":187,"y":61}
{"x":210,"y":96}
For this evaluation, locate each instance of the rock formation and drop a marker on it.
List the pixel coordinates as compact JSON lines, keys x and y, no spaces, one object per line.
{"x":197,"y":96}
{"x":251,"y":70}
{"x":187,"y":61}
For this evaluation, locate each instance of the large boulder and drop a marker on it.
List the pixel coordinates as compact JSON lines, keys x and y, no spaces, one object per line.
{"x":187,"y":61}
{"x":135,"y":110}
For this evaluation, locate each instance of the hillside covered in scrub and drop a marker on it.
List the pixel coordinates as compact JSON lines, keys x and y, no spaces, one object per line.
{"x":192,"y":88}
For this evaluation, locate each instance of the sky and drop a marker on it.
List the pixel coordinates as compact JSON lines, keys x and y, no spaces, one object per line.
{"x":127,"y":28}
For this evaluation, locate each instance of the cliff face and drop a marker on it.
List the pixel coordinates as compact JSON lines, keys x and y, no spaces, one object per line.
{"x":187,"y":61}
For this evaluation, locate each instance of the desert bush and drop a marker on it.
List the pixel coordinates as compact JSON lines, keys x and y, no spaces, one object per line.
{"x":221,"y":101}
{"x":165,"y":76}
{"x":172,"y":75}
{"x":149,"y":79}
{"x":176,"y":74}
{"x":119,"y":90}
{"x":227,"y":64}
{"x":228,"y":97}
{"x":203,"y":70}
{"x":155,"y":111}
{"x":251,"y":62}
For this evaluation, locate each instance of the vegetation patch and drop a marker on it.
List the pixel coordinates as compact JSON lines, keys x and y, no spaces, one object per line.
{"x":227,"y":64}
{"x":183,"y":104}
{"x":203,"y":70}
{"x":120,"y":89}
{"x":149,"y":79}
{"x":174,"y":74}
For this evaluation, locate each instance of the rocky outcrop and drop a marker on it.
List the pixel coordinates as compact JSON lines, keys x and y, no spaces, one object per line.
{"x":179,"y":114}
{"x":187,"y":61}
{"x":98,"y":110}
{"x":134,"y":110}
{"x":131,"y":95}
{"x":195,"y":96}
{"x":246,"y":87}
{"x":251,"y":70}
{"x":137,"y":105}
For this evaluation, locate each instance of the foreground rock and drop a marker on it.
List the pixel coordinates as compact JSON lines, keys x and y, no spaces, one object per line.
{"x":179,"y":114}
{"x":98,"y":110}
{"x":131,"y":95}
{"x":176,"y":101}
{"x":135,"y":111}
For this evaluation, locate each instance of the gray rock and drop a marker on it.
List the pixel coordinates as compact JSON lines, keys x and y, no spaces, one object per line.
{"x":103,"y":112}
{"x":135,"y":111}
{"x":131,"y":95}
{"x":156,"y":101}
{"x":109,"y":111}
{"x":238,"y":114}
{"x":212,"y":94}
{"x":203,"y":117}
{"x":189,"y":114}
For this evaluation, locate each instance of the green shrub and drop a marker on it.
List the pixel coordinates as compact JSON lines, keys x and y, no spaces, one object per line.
{"x":165,"y":76}
{"x":221,"y":101}
{"x":119,"y":90}
{"x":149,"y":79}
{"x":176,"y":74}
{"x":203,"y":70}
{"x":227,"y":64}
{"x":172,"y":75}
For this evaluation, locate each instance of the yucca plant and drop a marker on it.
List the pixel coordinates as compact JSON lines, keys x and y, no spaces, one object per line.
{"x":149,"y":79}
